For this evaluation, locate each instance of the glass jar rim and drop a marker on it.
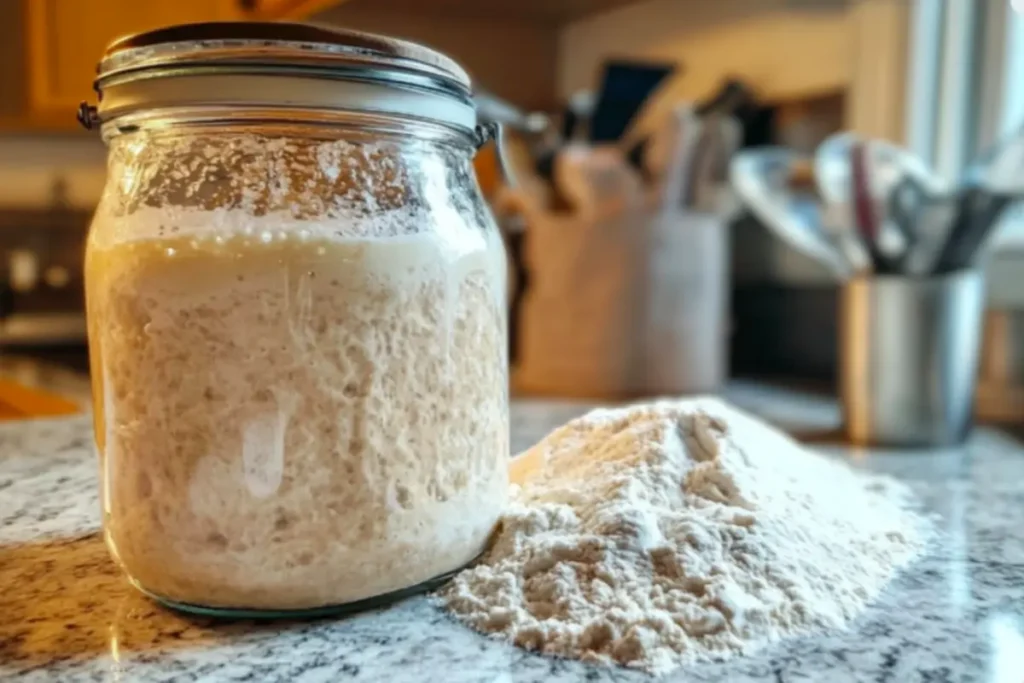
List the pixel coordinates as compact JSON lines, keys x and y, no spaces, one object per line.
{"x":297,"y":122}
{"x":285,"y":64}
{"x":275,"y":44}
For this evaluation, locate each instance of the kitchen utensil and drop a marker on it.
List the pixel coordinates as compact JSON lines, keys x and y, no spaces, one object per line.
{"x":721,"y":135}
{"x":865,"y":219}
{"x":932,"y":224}
{"x":904,"y":206}
{"x":729,"y":97}
{"x":668,"y":156}
{"x":760,"y":178}
{"x":832,"y":179}
{"x":905,"y":210}
{"x":839,"y":228}
{"x":1001,"y":168}
{"x":577,"y":115}
{"x":625,"y":86}
{"x":978,"y":212}
{"x":732,"y":139}
{"x":636,"y":153}
{"x":737,"y":99}
{"x":886,"y":165}
{"x":704,"y":153}
{"x":908,"y":357}
{"x":569,"y":124}
{"x":718,"y":140}
{"x":492,"y":108}
{"x":989,"y":186}
{"x":733,"y":96}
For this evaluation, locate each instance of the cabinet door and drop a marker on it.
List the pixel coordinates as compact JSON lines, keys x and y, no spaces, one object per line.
{"x":66,"y":38}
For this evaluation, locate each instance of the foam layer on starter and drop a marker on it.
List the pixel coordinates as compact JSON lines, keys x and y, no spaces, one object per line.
{"x":293,"y":417}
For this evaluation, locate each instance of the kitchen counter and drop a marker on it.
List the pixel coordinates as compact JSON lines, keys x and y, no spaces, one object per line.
{"x":45,"y":377}
{"x":66,"y":614}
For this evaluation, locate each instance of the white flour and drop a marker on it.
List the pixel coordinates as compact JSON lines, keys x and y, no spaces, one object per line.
{"x":667,"y":533}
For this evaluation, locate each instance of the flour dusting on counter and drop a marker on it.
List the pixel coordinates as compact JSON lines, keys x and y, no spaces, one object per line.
{"x":668,"y":533}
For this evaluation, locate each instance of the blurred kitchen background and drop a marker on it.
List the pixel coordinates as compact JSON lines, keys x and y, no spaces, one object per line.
{"x":934,"y":76}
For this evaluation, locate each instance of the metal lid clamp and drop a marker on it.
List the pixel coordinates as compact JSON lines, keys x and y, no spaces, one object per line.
{"x":492,"y":131}
{"x":87,"y":115}
{"x":273,"y":64}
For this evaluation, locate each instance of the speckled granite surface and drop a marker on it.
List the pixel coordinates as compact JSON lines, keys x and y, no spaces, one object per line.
{"x":67,"y":615}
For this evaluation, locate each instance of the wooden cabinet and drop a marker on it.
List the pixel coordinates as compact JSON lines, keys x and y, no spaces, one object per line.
{"x":50,"y":48}
{"x":67,"y":37}
{"x":273,"y":10}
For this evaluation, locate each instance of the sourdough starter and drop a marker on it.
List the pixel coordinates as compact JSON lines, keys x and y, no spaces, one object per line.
{"x":289,"y":418}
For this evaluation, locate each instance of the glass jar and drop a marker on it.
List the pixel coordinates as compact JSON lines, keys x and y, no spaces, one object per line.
{"x":297,"y":326}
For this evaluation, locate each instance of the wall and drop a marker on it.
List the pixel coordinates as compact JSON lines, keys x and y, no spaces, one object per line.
{"x":512,"y":57}
{"x":787,"y":51}
{"x":30,"y":165}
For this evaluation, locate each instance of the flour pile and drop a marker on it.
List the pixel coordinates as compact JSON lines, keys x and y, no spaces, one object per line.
{"x":663,"y":534}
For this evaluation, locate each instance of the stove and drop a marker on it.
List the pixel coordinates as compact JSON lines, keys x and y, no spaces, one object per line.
{"x":42,"y":296}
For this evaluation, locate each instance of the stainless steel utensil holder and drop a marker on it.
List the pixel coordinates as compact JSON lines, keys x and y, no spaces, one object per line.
{"x":908,"y":357}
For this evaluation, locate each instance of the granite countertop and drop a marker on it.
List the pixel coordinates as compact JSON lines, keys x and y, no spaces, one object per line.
{"x":67,"y":615}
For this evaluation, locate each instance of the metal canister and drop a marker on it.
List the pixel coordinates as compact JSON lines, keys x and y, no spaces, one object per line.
{"x":908,"y":358}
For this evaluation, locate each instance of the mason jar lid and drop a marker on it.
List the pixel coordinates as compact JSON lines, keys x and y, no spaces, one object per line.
{"x":274,"y":66}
